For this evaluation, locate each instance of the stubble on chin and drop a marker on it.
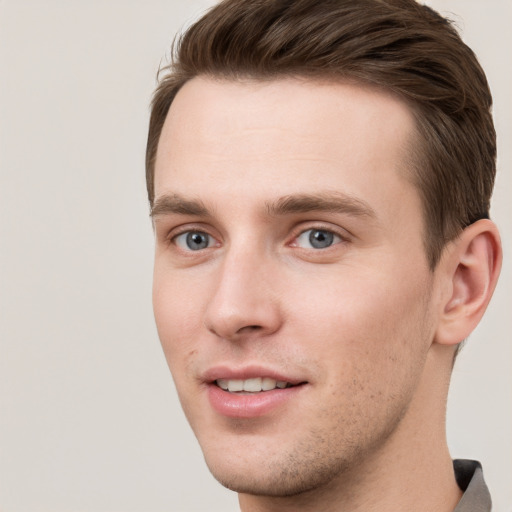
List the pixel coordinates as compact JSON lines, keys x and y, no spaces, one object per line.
{"x":314,"y":464}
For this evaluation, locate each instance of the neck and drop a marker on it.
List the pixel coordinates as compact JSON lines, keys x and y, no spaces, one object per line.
{"x":412,"y":471}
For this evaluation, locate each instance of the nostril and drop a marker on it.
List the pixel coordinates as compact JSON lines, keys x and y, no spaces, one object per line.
{"x":250,"y":328}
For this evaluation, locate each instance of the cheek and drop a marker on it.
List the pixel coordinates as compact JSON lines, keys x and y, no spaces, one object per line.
{"x":374,"y":321}
{"x":371,"y":345}
{"x":176,"y":315}
{"x":176,"y":322}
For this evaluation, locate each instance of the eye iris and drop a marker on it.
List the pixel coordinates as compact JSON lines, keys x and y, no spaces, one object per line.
{"x":320,"y":239}
{"x":196,"y":241}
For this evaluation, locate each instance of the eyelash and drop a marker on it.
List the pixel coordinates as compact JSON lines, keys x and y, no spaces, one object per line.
{"x":172,"y":237}
{"x":190,"y":232}
{"x":342,"y":236}
{"x":298,"y":232}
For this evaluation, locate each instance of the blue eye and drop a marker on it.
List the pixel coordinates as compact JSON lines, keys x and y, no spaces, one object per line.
{"x":317,"y":239}
{"x":194,"y":240}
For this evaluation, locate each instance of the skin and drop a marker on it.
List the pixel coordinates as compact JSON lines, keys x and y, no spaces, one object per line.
{"x":362,"y":323}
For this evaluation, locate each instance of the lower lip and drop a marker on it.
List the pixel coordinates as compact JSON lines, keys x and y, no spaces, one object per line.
{"x":236,"y":405}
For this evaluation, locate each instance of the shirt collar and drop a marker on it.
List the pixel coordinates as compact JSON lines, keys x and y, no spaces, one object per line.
{"x":470,"y":479}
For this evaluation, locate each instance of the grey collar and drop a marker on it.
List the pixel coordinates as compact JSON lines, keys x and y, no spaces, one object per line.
{"x":470,"y":479}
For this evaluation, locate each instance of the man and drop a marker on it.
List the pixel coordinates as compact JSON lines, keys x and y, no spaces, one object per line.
{"x":319,"y":175}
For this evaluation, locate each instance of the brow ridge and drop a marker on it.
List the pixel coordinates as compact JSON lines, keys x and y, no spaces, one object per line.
{"x":177,"y":204}
{"x":332,"y":202}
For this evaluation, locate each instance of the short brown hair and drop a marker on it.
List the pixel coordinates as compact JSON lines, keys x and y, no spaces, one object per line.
{"x":398,"y":45}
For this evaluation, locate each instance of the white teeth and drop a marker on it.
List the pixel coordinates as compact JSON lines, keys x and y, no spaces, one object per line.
{"x":235,"y":385}
{"x":267,"y":384}
{"x":222,"y":383}
{"x":254,"y":385}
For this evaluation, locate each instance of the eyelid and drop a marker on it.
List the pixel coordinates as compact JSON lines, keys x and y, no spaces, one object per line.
{"x":169,"y":235}
{"x":182,"y":244}
{"x":176,"y":230}
{"x":305,"y":242}
{"x":199,"y":227}
{"x":342,"y":233}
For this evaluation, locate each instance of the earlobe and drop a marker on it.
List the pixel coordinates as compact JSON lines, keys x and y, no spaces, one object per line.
{"x":472,"y":268}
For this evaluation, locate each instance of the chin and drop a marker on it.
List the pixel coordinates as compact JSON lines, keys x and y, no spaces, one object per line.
{"x":285,"y":476}
{"x":284,"y":483}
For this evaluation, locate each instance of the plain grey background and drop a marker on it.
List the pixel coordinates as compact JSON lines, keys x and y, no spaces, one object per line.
{"x":89,"y":420}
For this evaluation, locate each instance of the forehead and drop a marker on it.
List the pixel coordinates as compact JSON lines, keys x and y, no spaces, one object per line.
{"x":283,"y":136}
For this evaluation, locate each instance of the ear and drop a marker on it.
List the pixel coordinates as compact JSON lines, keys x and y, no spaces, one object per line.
{"x":470,"y":270}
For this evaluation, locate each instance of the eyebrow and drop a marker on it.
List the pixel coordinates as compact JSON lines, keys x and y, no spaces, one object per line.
{"x":176,"y":204}
{"x":333,"y":202}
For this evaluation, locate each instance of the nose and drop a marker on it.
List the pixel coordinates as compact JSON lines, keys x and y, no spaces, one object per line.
{"x":244,"y":303}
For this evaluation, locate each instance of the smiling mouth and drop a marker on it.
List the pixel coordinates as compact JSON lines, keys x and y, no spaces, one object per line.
{"x":254,"y":385}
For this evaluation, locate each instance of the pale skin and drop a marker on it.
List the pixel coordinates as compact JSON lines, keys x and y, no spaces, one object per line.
{"x":246,"y":173}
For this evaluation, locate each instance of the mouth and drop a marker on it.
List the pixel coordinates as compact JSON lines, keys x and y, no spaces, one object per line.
{"x":253,"y":385}
{"x":252,"y":396}
{"x":252,"y":391}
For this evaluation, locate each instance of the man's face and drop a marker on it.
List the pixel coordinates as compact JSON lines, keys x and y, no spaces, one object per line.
{"x":289,"y":252}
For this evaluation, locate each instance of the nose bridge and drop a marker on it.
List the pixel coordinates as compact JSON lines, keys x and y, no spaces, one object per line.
{"x":244,"y":299}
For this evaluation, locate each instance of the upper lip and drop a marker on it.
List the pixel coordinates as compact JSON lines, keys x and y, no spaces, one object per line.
{"x":229,"y":372}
